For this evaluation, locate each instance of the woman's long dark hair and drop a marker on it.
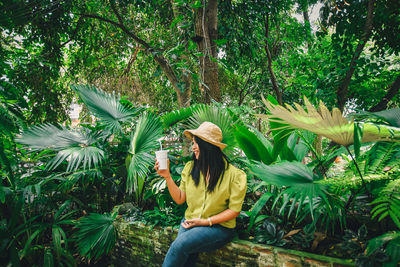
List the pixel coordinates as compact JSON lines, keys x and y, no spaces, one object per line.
{"x":211,"y":160}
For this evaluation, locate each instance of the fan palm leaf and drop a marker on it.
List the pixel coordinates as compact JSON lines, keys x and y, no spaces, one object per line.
{"x":390,"y":116}
{"x":219,"y":117}
{"x":280,"y":133}
{"x":75,"y":146}
{"x":143,"y":141}
{"x":96,"y":235}
{"x":300,"y":187}
{"x":328,"y":124}
{"x":253,"y":144}
{"x":176,"y":116}
{"x":106,"y":107}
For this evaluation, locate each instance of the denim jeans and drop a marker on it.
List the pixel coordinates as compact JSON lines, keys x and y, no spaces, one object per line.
{"x":189,"y":242}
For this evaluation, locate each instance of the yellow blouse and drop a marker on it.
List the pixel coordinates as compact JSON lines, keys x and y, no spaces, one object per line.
{"x":229,"y":194}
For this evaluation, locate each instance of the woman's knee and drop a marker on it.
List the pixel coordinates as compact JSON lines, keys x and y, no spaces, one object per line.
{"x":180,"y":246}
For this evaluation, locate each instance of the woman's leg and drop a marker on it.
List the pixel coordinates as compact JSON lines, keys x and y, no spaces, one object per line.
{"x":194,"y":240}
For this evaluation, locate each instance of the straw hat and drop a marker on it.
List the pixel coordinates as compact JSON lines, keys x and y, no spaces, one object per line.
{"x":209,"y":132}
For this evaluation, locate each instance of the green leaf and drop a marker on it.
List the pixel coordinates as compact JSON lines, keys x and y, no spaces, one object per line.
{"x":143,"y":142}
{"x":257,"y":208}
{"x":252,"y":146}
{"x":48,"y":260}
{"x":358,"y":135}
{"x":173,"y":117}
{"x":107,"y":107}
{"x":29,"y":241}
{"x":221,"y":41}
{"x":378,"y":242}
{"x":96,"y":235}
{"x":298,"y":185}
{"x":56,"y":231}
{"x":219,"y":117}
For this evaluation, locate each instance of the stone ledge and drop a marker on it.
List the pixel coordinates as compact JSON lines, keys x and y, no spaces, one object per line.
{"x":141,"y":245}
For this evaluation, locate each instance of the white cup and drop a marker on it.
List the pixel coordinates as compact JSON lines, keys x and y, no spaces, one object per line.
{"x":162,"y":157}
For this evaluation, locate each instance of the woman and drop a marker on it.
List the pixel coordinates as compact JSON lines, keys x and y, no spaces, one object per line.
{"x":214,"y":191}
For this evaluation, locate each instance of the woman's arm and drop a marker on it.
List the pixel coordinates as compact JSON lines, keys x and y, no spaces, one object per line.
{"x":177,"y":195}
{"x":221,"y":217}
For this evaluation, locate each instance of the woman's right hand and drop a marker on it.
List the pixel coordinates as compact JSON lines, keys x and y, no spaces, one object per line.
{"x":164,"y":173}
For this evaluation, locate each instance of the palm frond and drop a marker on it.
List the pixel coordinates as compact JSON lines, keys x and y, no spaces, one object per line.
{"x":388,"y":203}
{"x":87,"y":156}
{"x":96,"y":235}
{"x":106,"y":107}
{"x":143,"y":141}
{"x":300,"y":188}
{"x":48,"y":136}
{"x":280,"y":132}
{"x":11,"y":115}
{"x":176,"y":116}
{"x":75,"y":146}
{"x":390,"y":116}
{"x":253,"y":144}
{"x":331,"y":125}
{"x":219,"y":117}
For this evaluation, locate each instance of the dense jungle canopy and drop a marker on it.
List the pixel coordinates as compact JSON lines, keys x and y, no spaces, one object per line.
{"x":171,"y":54}
{"x":143,"y":71}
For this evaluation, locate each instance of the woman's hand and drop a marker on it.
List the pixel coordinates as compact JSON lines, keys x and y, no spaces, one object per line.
{"x":194,"y":222}
{"x":164,"y":173}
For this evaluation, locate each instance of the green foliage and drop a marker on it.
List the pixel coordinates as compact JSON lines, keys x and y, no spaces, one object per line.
{"x":387,"y":204}
{"x":382,"y":155}
{"x":304,"y":237}
{"x":254,"y":144}
{"x":391,"y":242}
{"x":301,"y":187}
{"x":106,"y":107}
{"x":162,"y":217}
{"x":218,"y":116}
{"x":257,"y":208}
{"x":96,"y":235}
{"x":354,"y":242}
{"x":144,"y":140}
{"x":75,"y":146}
{"x":268,"y":234}
{"x":173,"y":117}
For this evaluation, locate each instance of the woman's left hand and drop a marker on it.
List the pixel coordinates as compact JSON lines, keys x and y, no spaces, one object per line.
{"x":194,"y":222}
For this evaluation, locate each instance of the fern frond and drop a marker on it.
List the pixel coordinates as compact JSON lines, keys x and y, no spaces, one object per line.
{"x":381,"y":155}
{"x":388,"y":203}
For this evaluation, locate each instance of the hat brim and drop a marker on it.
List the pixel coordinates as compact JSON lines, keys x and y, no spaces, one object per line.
{"x":190,"y":133}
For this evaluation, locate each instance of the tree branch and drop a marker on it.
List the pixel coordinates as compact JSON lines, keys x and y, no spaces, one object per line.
{"x":112,"y":4}
{"x":165,"y":66}
{"x":342,"y":90}
{"x":269,"y":58}
{"x":393,"y":90}
{"x":122,"y":27}
{"x":241,"y":97}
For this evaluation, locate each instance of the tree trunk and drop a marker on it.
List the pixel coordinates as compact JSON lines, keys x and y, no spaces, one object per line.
{"x":183,"y":97}
{"x":393,"y":90}
{"x":342,"y":90}
{"x":307,"y":24}
{"x":269,"y":59}
{"x":206,"y":21}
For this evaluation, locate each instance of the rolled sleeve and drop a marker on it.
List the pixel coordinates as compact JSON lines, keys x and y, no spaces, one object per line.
{"x":185,"y":175}
{"x":238,"y":191}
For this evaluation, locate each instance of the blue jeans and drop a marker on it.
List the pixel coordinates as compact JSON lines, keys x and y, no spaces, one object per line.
{"x":189,"y":242}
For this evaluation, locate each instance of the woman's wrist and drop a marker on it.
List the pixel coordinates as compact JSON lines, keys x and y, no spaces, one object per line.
{"x":167,"y":177}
